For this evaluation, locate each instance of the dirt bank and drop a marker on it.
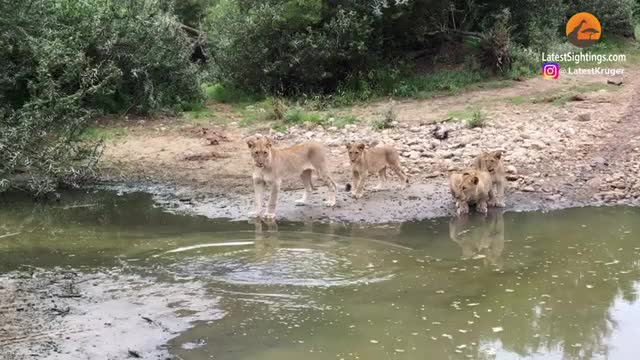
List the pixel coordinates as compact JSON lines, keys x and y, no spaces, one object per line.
{"x":570,"y":142}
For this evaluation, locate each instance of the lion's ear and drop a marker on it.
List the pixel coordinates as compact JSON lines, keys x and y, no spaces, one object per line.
{"x":349,"y":145}
{"x":251,"y":143}
{"x":475,"y":180}
{"x":268,"y":142}
{"x":498,"y":154}
{"x":361,"y":146}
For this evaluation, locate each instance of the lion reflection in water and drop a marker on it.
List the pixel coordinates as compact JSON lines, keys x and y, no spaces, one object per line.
{"x":480,"y":236}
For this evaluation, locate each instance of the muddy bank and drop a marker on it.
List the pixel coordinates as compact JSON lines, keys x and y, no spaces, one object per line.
{"x":418,"y":202}
{"x":61,"y":315}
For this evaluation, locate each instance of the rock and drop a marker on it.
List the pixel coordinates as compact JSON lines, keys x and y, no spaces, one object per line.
{"x":440,"y":132}
{"x":534,"y":144}
{"x":584,"y":117}
{"x":610,"y":195}
{"x":599,"y":160}
{"x":513,"y":177}
{"x":414,"y":155}
{"x":414,"y":129}
{"x":332,"y":129}
{"x":528,"y":189}
{"x":511,"y":169}
{"x":615,"y":82}
{"x":618,"y":185}
{"x":595,"y":182}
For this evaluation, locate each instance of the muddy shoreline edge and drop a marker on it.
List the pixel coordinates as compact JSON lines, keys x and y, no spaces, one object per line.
{"x":422,"y":201}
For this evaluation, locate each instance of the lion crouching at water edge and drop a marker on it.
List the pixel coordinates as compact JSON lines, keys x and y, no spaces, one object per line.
{"x":271,"y":165}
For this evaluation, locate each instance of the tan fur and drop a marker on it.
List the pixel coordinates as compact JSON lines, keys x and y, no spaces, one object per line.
{"x":492,"y":162}
{"x":271,"y":165}
{"x":373,"y":160}
{"x":481,"y":235}
{"x":471,"y":187}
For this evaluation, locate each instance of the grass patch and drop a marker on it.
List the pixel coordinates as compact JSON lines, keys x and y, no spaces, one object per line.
{"x":567,"y":95}
{"x":386,"y":121}
{"x":267,"y":110}
{"x":476,"y":120}
{"x":471,"y":116}
{"x":447,"y":82}
{"x":404,"y":84}
{"x":99,"y":133}
{"x":298,"y":116}
{"x":464,"y":114}
{"x":516,"y":100}
{"x":228,"y":95}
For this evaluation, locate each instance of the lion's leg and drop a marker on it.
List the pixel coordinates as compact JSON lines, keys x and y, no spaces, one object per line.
{"x":258,"y":188}
{"x":499,"y":194}
{"x":273,"y":200}
{"x":462,"y":207}
{"x":401,"y":174}
{"x":361,"y":183}
{"x":306,"y":180}
{"x":492,"y":196}
{"x":382,"y":179}
{"x":481,"y":206}
{"x":324,"y":174}
{"x":355,"y":179}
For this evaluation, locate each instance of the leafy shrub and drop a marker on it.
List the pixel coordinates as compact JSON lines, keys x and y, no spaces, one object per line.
{"x":496,"y":43}
{"x":524,"y":63}
{"x":63,"y":62}
{"x":228,"y":94}
{"x":285,"y":47}
{"x":616,"y":16}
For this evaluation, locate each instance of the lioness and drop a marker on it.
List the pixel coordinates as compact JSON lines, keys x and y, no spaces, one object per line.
{"x":492,"y":162}
{"x":471,"y":187}
{"x":373,"y":160}
{"x":271,"y":165}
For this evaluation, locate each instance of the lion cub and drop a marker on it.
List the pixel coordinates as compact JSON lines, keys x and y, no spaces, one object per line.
{"x":271,"y":165}
{"x":493,"y":163}
{"x":471,"y":187}
{"x":373,"y":160}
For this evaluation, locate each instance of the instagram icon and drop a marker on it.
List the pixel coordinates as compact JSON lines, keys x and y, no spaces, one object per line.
{"x":550,"y":70}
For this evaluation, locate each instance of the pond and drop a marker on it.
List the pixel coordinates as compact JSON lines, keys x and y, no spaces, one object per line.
{"x":556,"y":285}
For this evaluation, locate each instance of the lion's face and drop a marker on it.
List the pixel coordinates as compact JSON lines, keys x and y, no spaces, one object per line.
{"x":355,"y":151}
{"x":468,"y":186}
{"x":260,"y":151}
{"x":491,"y":161}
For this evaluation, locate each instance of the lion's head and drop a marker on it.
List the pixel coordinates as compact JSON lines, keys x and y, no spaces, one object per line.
{"x":467,"y":187}
{"x":355,"y":151}
{"x":490,"y":161}
{"x":260,"y":149}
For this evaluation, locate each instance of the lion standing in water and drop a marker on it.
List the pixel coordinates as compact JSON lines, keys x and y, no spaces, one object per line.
{"x":271,"y":165}
{"x":493,"y":163}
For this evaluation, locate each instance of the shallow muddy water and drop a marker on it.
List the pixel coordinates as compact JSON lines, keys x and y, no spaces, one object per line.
{"x":557,"y":285}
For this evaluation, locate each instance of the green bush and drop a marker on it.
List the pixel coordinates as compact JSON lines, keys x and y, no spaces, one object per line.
{"x":285,"y":47}
{"x":65,"y":61}
{"x":616,"y":16}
